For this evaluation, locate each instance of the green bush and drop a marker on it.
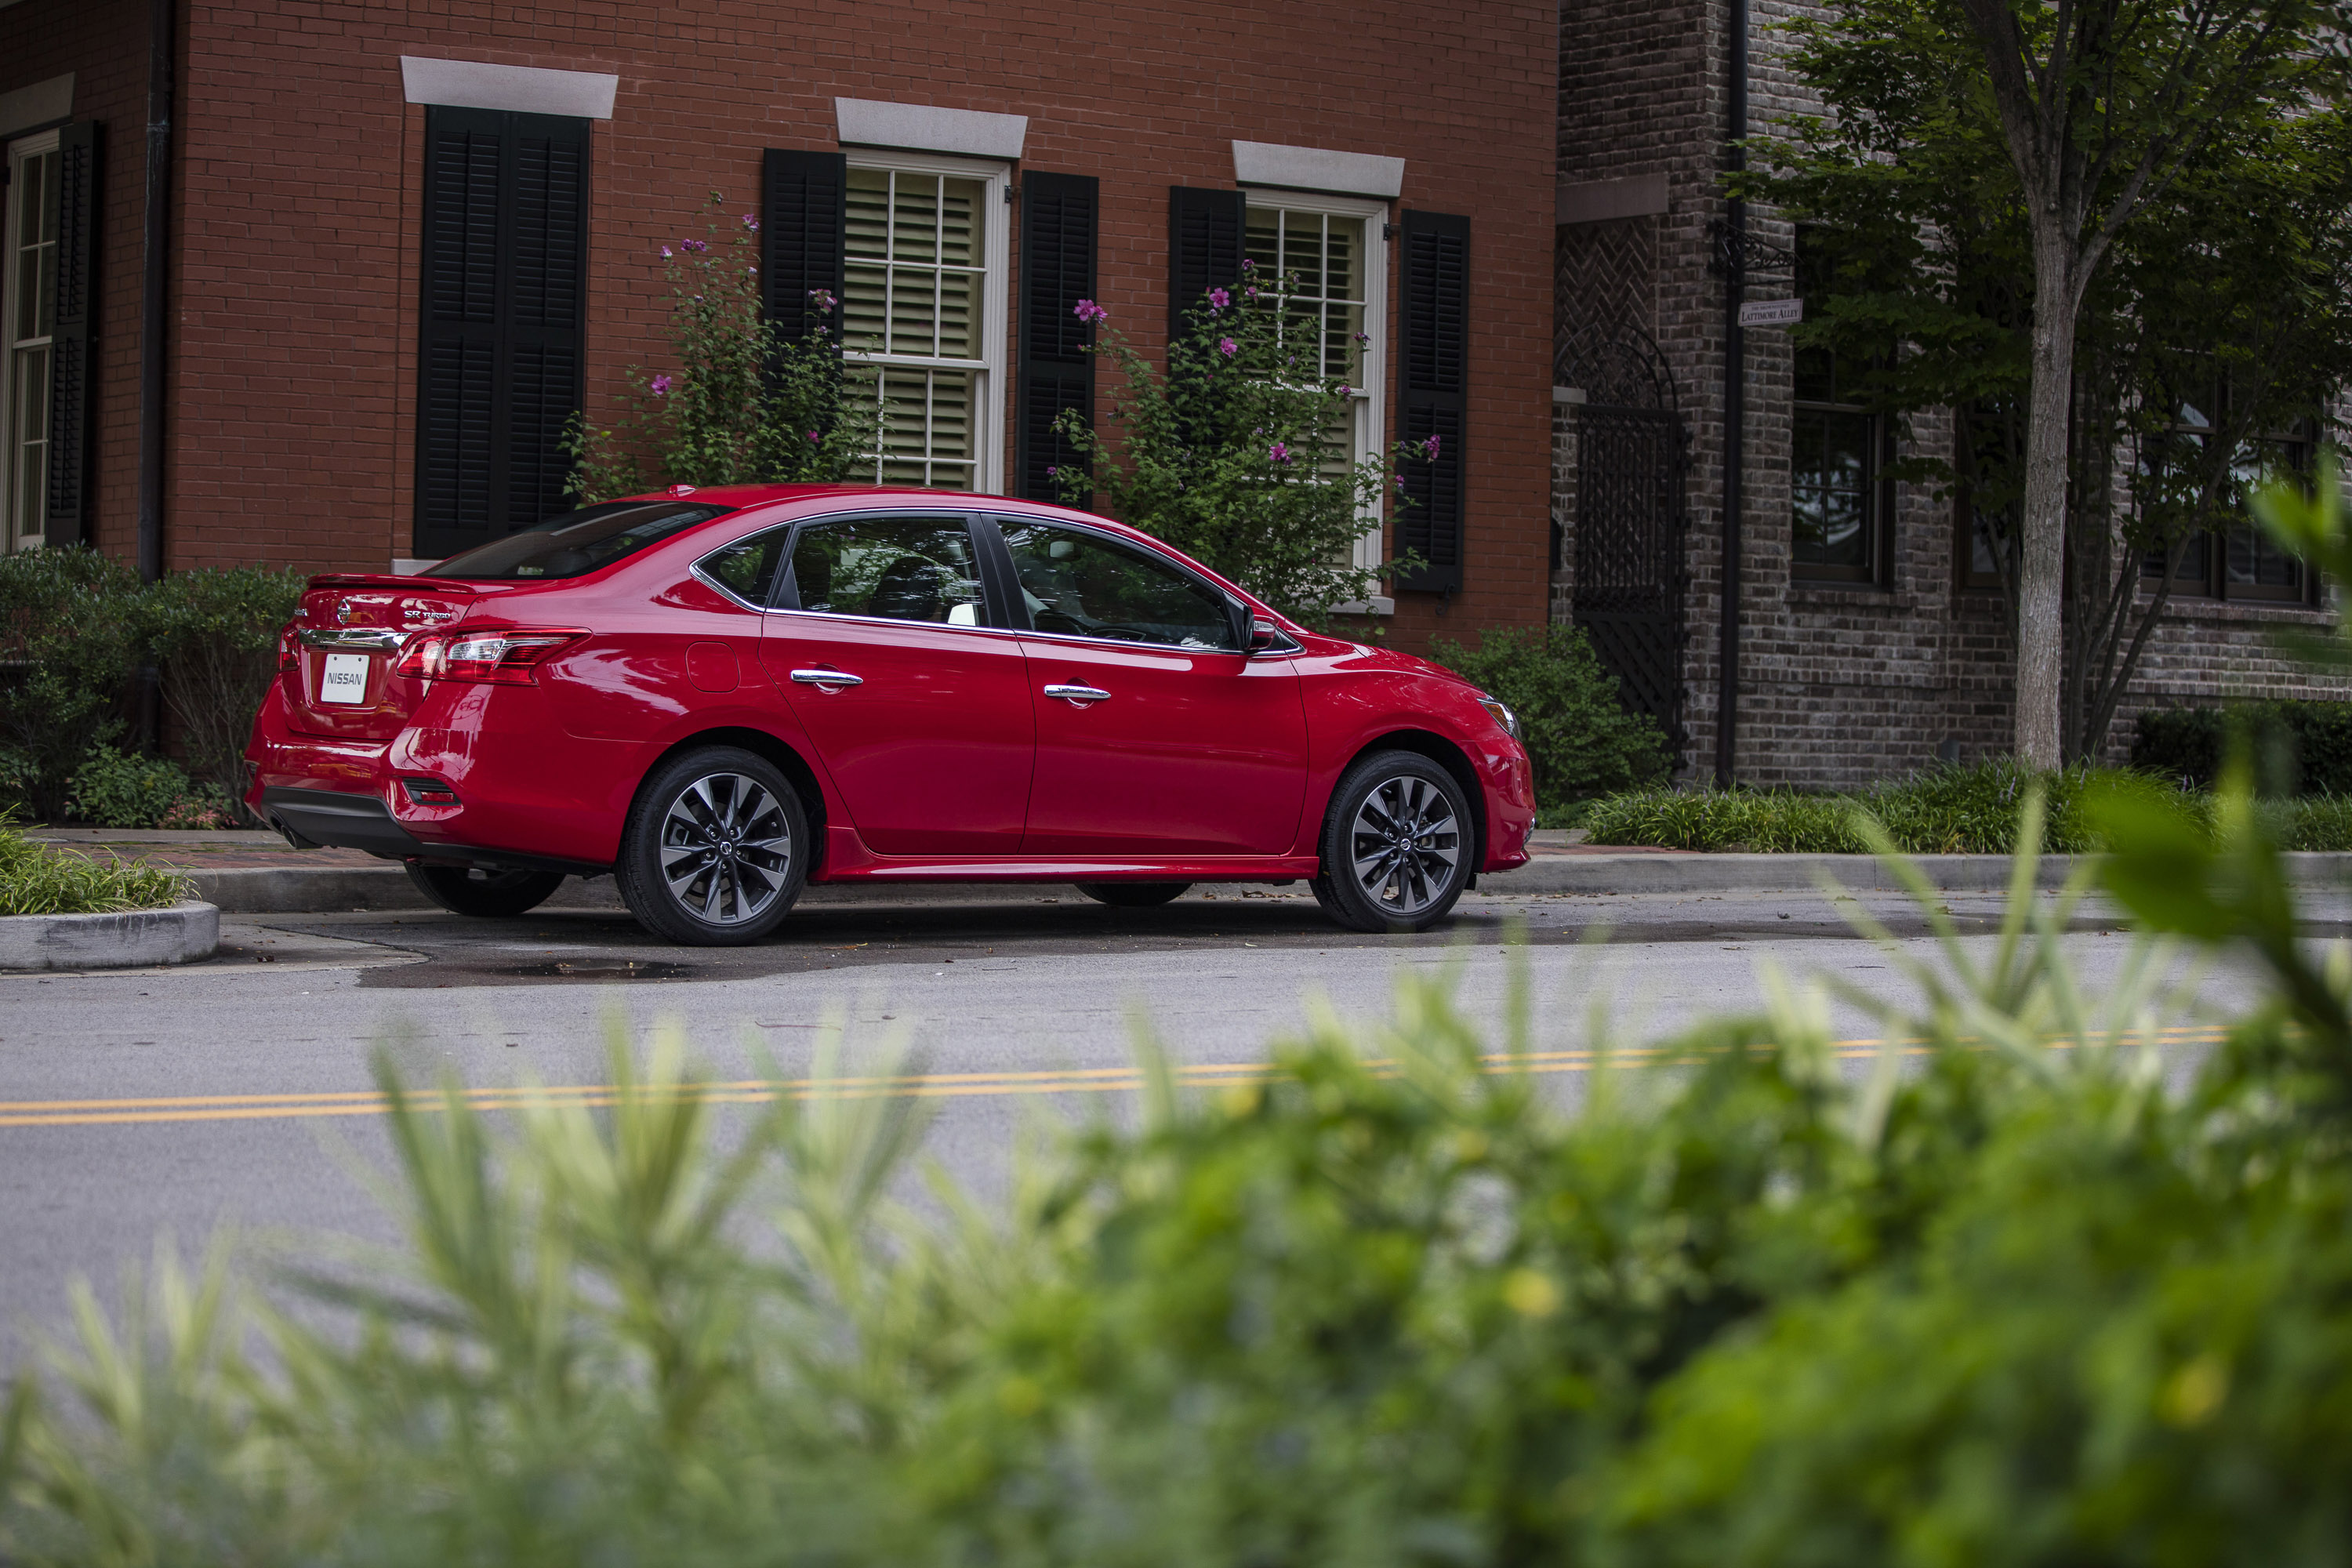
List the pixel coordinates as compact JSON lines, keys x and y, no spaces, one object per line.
{"x":37,"y":881}
{"x":214,"y":632}
{"x":2016,"y":1302}
{"x":1238,"y":455}
{"x":1952,"y":810}
{"x":112,"y":790}
{"x":68,"y":645}
{"x":1579,"y":734}
{"x":745,"y":404}
{"x":2296,"y":747}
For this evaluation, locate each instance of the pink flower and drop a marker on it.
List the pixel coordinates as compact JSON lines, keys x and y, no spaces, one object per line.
{"x":1227,"y":347}
{"x":815,"y":439}
{"x":1278,"y":452}
{"x":1251,"y":292}
{"x":1219,"y":300}
{"x":666,"y":253}
{"x":1345,"y":390}
{"x":661,"y":387}
{"x":1089,"y":312}
{"x":1399,"y":484}
{"x":695,"y":245}
{"x":1051,"y":471}
{"x":822,"y":298}
{"x":750,"y":223}
{"x":1247,"y":265}
{"x":1429,"y":449}
{"x":1363,"y":337}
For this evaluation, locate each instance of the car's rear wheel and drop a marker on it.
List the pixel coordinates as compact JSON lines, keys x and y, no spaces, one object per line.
{"x":715,"y":849}
{"x":1397,"y":844}
{"x":1134,"y":894}
{"x":489,"y":892}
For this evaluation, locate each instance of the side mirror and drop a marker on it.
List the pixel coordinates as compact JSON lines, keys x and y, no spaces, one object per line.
{"x":1263,"y":634}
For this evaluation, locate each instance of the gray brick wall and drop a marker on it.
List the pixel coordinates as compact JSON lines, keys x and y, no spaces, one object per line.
{"x":1839,"y":685}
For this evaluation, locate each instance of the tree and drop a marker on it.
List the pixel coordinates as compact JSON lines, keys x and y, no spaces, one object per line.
{"x":2101,"y":103}
{"x":2208,"y":264}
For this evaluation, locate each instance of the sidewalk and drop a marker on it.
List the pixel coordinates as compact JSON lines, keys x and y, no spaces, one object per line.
{"x":257,"y":873}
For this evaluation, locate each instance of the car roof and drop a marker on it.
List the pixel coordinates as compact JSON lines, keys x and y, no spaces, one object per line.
{"x":744,"y":497}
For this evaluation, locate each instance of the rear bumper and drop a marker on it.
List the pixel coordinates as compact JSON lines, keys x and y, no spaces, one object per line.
{"x":329,"y":819}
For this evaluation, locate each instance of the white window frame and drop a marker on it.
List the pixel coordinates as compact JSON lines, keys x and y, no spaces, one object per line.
{"x":995,"y":333}
{"x":1371,"y":398}
{"x":18,"y":152}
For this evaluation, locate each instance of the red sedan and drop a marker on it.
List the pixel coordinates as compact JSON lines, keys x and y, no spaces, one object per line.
{"x":719,"y":696}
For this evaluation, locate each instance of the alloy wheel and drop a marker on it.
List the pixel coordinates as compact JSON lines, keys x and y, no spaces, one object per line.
{"x":1404,"y":846}
{"x":726,"y":848}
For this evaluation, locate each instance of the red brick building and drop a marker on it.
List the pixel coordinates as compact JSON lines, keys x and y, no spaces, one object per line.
{"x":393,"y":246}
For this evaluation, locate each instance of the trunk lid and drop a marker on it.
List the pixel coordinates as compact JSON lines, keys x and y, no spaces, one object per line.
{"x":345,"y":640}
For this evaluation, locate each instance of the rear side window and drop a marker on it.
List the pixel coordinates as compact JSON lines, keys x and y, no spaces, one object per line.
{"x":747,"y":568}
{"x":576,"y":542}
{"x":899,"y":568}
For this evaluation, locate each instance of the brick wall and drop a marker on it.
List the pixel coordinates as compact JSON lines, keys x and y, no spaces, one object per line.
{"x":104,"y":44}
{"x":1839,"y":684}
{"x":299,"y":203}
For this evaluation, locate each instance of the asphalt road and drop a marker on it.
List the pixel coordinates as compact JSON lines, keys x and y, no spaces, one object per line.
{"x":236,"y":1092}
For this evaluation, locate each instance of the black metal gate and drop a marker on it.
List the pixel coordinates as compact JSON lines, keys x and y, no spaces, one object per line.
{"x":1632,"y":453}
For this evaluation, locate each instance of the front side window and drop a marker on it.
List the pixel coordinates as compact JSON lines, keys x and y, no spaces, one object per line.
{"x":897,"y":568}
{"x":922,"y":303}
{"x":576,"y":542}
{"x":1083,"y":584}
{"x":27,"y":320}
{"x":1340,"y":277}
{"x":1835,"y":506}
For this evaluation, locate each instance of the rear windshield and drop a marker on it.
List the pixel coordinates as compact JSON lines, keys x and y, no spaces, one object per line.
{"x":576,"y":542}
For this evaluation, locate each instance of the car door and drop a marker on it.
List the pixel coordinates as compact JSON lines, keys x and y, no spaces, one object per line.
{"x":918,"y":709}
{"x":1155,"y":734}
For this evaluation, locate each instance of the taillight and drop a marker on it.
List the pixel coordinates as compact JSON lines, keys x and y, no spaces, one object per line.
{"x":289,"y":651}
{"x":504,"y":658}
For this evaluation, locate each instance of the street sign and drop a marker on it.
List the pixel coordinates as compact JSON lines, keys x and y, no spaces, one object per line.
{"x":1771,"y":312}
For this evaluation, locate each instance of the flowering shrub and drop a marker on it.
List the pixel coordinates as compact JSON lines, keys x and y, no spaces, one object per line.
{"x":1240,"y":454}
{"x":744,"y":406}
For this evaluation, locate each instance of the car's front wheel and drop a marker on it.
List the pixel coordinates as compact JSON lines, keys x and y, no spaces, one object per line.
{"x":1134,"y":894}
{"x":1397,"y":844}
{"x":488,"y":892}
{"x":715,"y":849}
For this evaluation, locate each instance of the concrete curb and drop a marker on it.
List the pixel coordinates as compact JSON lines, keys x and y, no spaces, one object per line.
{"x":304,"y":890}
{"x":134,"y":939}
{"x":1639,"y":872}
{"x":289,"y":890}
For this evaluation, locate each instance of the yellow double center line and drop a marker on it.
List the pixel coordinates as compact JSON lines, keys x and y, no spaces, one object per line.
{"x":757,"y":1091}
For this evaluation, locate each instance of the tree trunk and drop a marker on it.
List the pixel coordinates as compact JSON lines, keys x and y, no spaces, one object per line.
{"x":2042,"y":552}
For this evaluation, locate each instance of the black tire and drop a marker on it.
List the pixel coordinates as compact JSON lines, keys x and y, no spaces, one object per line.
{"x":715,"y":849}
{"x":488,"y":892}
{"x":1398,"y":844}
{"x":1134,"y":894}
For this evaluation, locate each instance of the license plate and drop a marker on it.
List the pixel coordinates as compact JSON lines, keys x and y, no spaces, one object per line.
{"x":345,"y":679}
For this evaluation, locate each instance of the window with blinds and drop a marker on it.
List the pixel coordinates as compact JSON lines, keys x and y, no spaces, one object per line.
{"x":29,"y":271}
{"x":919,"y":281}
{"x":1337,"y":279}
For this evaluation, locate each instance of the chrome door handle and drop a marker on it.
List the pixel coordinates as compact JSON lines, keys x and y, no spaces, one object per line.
{"x":830,"y":680}
{"x":1078,"y":693}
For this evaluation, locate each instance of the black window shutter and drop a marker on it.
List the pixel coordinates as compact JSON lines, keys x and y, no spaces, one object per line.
{"x":1059,"y":213}
{"x":1434,"y":328}
{"x":505,"y":288}
{"x":805,"y":215}
{"x":71,"y":346}
{"x":1205,"y":247}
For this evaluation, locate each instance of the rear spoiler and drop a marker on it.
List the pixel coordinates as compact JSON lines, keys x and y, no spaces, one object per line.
{"x":390,"y":580}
